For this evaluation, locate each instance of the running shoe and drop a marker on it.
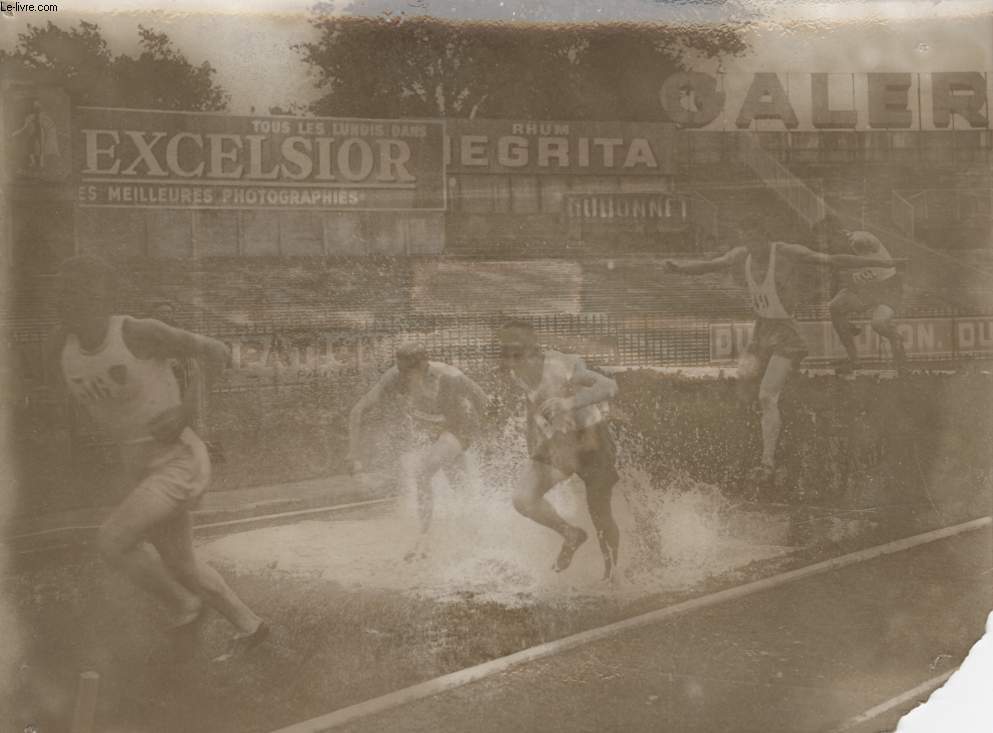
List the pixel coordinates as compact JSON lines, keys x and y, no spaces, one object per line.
{"x":245,"y":643}
{"x":573,"y":539}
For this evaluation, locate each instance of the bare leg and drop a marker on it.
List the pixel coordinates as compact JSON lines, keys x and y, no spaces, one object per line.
{"x":748,"y":376}
{"x":425,"y":465}
{"x":121,"y":543}
{"x":771,"y":387}
{"x":842,"y":305}
{"x":882,"y":323}
{"x":598,"y":500}
{"x":175,"y":543}
{"x":535,"y":481}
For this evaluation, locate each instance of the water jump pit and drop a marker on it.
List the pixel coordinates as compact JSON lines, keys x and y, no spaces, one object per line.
{"x":672,"y":538}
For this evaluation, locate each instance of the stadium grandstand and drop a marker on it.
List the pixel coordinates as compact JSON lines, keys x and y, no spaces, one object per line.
{"x":612,"y":277}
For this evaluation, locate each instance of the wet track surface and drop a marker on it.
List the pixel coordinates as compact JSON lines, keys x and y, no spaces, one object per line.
{"x":352,"y":622}
{"x":806,"y":656}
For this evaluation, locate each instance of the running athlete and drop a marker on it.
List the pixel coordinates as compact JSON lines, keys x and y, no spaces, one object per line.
{"x":444,"y":407}
{"x":877,"y":288}
{"x":119,"y":369}
{"x":192,"y":384}
{"x":567,"y":434}
{"x":187,"y":371}
{"x":776,"y":347}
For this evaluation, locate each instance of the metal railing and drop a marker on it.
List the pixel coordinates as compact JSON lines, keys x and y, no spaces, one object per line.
{"x":903,"y":214}
{"x":801,"y":198}
{"x":703,"y":212}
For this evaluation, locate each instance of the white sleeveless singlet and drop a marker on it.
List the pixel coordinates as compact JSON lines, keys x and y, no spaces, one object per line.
{"x":425,"y":404}
{"x":765,"y":296}
{"x":120,"y":391}
{"x":556,"y":381}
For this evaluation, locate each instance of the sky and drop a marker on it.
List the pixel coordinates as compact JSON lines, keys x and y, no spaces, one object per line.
{"x":250,"y":42}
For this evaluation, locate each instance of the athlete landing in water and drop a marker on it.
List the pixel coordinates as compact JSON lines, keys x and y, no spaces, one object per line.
{"x":444,"y":407}
{"x":566,"y":434}
{"x":875,"y":289}
{"x":776,"y":347}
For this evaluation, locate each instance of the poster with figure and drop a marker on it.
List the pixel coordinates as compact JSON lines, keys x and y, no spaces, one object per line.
{"x":36,"y":123}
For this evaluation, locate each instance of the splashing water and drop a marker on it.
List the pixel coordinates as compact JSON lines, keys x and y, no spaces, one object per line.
{"x":672,"y":537}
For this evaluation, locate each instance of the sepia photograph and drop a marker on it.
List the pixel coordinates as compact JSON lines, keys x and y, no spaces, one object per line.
{"x":496,"y":366}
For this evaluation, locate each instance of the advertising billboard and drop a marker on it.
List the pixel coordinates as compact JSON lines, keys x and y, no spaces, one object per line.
{"x":182,"y":160}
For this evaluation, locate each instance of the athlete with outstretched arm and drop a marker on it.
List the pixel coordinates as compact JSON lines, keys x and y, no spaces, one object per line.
{"x":776,"y":347}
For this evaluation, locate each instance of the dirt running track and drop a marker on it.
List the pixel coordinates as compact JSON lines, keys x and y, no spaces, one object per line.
{"x":805,"y":656}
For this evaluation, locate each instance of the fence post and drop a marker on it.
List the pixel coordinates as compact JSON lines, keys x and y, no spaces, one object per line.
{"x":86,"y":703}
{"x":955,"y":339}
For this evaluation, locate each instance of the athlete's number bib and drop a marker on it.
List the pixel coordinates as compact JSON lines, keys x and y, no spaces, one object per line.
{"x":760,"y":301}
{"x":93,"y":389}
{"x":865,"y":276}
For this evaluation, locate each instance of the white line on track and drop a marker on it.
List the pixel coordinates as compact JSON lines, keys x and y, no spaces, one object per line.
{"x":488,"y":669}
{"x":894,"y":702}
{"x":731,"y":370}
{"x":199,"y":528}
{"x":296,"y":514}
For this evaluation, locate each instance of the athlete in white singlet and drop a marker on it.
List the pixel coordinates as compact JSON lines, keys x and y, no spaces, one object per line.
{"x":444,"y":407}
{"x":776,"y":347}
{"x":567,"y":434}
{"x":119,"y":368}
{"x":877,"y":288}
{"x":192,"y":389}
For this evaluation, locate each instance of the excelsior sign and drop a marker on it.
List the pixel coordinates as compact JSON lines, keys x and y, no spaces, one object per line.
{"x":132,"y":158}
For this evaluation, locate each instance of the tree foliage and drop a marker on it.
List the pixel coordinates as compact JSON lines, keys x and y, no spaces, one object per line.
{"x":158,"y":77}
{"x":395,"y":65}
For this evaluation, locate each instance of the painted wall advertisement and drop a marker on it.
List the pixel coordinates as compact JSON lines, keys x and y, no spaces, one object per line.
{"x":137,"y":158}
{"x":570,"y":148}
{"x":771,"y":101}
{"x":924,"y":338}
{"x":34,"y":133}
